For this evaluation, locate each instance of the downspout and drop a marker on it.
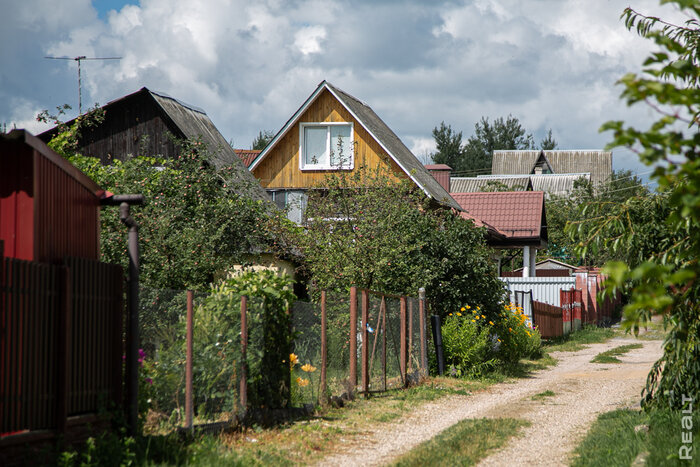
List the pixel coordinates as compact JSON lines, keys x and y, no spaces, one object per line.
{"x":132,"y":334}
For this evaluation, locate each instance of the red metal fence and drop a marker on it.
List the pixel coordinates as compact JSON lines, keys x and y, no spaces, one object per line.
{"x":60,"y":342}
{"x":549,"y":319}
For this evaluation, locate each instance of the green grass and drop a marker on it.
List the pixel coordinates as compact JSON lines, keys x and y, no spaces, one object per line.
{"x":613,"y":440}
{"x":464,"y":443}
{"x":610,"y":356}
{"x":543,"y":395}
{"x":579,"y":339}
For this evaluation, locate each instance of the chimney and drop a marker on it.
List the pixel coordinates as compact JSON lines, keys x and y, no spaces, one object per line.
{"x":441,"y":173}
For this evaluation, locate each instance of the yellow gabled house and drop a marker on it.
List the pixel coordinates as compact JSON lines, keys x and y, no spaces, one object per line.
{"x":333,"y":131}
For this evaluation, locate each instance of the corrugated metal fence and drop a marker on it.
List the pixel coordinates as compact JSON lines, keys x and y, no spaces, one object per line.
{"x":60,"y":341}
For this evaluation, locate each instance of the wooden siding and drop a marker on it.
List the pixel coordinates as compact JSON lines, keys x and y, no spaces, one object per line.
{"x":135,"y":127}
{"x":280,"y":169}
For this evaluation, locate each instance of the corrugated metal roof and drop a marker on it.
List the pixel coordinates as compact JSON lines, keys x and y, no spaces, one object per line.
{"x":596,"y":162}
{"x":557,"y":184}
{"x":386,"y":138}
{"x":474,"y":184}
{"x":517,"y":214}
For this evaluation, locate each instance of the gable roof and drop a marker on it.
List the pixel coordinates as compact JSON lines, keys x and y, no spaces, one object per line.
{"x":474,"y":184}
{"x":597,"y":163}
{"x":381,"y":133}
{"x":519,"y":215}
{"x":188,"y":121}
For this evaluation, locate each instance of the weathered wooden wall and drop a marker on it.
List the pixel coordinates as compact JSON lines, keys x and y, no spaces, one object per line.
{"x":280,"y":168}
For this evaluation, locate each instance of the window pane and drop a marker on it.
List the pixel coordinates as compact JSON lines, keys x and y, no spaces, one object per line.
{"x":341,"y":145}
{"x":315,"y":145}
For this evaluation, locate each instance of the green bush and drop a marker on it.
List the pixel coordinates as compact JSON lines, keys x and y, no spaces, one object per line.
{"x":467,"y":346}
{"x":217,"y":349}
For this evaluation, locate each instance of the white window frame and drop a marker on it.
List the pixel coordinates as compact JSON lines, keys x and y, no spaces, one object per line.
{"x":349,"y":162}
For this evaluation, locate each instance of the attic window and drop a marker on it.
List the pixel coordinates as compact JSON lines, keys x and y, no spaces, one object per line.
{"x":326,"y":146}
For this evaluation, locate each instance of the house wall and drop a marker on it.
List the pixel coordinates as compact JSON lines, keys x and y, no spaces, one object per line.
{"x":280,"y":168}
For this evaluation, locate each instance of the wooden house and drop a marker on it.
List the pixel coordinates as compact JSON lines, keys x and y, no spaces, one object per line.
{"x":148,"y":123}
{"x":307,"y":149}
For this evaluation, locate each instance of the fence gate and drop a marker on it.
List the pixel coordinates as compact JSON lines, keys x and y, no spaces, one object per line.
{"x":571,"y":303}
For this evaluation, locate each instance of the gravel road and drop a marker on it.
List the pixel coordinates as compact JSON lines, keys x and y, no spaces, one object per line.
{"x":582,"y":390}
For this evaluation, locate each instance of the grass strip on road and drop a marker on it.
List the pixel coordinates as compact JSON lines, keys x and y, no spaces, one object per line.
{"x":578,"y":340}
{"x":610,"y":356}
{"x":464,"y":443}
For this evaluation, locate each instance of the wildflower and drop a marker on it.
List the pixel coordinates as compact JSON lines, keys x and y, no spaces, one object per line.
{"x":473,"y":321}
{"x":308,"y":368}
{"x":499,"y":340}
{"x":462,"y":309}
{"x":293,"y":359}
{"x":450,"y":314}
{"x":478,"y":308}
{"x":483,"y":316}
{"x":459,"y":314}
{"x":510,"y":329}
{"x":468,"y":307}
{"x":491,"y":323}
{"x":477,"y":316}
{"x":302,"y":382}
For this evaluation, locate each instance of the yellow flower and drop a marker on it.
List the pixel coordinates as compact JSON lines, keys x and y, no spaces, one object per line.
{"x":459,"y":314}
{"x":478,"y":308}
{"x":462,"y":309}
{"x":491,"y":323}
{"x":473,"y":321}
{"x":499,"y":340}
{"x":468,"y":307}
{"x":510,"y":329}
{"x":477,"y":316}
{"x":474,"y":311}
{"x":302,"y":382}
{"x":293,"y":359}
{"x":450,"y":314}
{"x":483,"y":316}
{"x":308,"y":368}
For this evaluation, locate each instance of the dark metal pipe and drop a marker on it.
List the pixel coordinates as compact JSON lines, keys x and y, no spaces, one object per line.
{"x":132,"y":356}
{"x":437,"y":338}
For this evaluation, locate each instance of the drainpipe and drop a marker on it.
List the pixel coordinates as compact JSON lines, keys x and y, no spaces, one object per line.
{"x":132,"y":330}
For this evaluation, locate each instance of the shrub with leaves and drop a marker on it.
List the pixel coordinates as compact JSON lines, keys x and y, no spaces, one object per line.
{"x":467,"y":346}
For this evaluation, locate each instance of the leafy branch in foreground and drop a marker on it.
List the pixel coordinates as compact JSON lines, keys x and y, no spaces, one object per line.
{"x":665,"y":278}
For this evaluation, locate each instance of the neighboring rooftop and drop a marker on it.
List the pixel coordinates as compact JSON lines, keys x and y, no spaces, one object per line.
{"x":475,"y":184}
{"x":551,"y":184}
{"x":595,"y":162}
{"x":519,"y":215}
{"x":247,"y":156}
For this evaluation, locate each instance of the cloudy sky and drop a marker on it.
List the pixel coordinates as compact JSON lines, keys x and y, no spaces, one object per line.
{"x":250,"y":65}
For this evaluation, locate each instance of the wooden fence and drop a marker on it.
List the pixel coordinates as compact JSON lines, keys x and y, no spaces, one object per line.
{"x":549,"y":319}
{"x":60,"y":345}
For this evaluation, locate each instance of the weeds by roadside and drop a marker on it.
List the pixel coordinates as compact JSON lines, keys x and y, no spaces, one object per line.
{"x":619,"y":437}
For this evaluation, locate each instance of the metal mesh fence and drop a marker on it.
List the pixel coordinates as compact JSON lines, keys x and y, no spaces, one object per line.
{"x":217,"y":357}
{"x":216,"y":366}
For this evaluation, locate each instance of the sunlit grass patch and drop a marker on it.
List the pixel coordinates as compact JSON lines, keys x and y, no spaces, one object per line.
{"x":579,"y":339}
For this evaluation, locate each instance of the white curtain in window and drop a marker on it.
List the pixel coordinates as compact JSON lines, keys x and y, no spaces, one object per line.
{"x":315,"y":145}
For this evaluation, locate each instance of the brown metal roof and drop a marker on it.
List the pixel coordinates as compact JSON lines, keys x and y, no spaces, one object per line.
{"x":519,"y":215}
{"x":247,"y":156}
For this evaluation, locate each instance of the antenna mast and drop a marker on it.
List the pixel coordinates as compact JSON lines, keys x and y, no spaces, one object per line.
{"x":79,"y":59}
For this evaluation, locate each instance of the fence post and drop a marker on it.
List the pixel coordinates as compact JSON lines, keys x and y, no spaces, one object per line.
{"x":63,"y":354}
{"x":365,"y":338}
{"x":188,"y":362}
{"x":243,"y":391}
{"x":421,"y":318}
{"x":324,"y":350}
{"x":353,"y":338}
{"x":404,"y":328}
{"x":383,"y":313}
{"x":410,"y":335}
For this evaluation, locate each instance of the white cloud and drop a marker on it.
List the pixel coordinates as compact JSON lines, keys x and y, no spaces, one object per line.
{"x":551,"y":63}
{"x":308,"y":40}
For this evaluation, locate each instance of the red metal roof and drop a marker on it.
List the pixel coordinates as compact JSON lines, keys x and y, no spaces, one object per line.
{"x":516,"y":214}
{"x":247,"y":155}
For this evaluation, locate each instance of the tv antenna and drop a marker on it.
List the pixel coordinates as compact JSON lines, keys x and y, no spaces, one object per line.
{"x":80,"y":59}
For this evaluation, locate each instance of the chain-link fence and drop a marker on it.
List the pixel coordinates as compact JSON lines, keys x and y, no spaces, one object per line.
{"x":219,"y":366}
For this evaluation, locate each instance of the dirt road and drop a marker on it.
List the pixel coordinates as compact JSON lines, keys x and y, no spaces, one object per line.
{"x":582,"y":390}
